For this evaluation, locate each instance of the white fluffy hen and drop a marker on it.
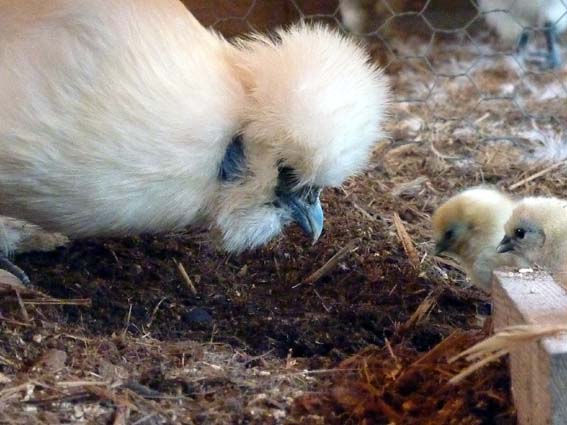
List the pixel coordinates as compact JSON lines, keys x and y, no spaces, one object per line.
{"x":128,"y":116}
{"x":513,"y":19}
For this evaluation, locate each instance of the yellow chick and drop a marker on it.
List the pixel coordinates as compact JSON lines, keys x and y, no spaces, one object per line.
{"x":469,"y":226}
{"x":537,"y":233}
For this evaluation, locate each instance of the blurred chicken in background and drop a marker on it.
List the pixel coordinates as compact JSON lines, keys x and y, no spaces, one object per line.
{"x":515,"y":20}
{"x":365,"y":16}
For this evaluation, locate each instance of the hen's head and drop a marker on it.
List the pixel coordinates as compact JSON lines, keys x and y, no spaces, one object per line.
{"x":314,"y":110}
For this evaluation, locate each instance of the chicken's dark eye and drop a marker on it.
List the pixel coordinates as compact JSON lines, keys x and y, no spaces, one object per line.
{"x":287,"y":179}
{"x":449,"y":234}
{"x":520,"y":233}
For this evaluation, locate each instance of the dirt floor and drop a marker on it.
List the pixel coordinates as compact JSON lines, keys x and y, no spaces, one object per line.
{"x":116,"y":334}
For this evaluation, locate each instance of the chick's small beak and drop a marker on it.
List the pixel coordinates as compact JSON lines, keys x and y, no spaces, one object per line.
{"x":308,"y":215}
{"x":505,"y":245}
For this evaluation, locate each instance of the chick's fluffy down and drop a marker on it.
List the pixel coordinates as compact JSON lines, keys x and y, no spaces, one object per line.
{"x":469,"y":227}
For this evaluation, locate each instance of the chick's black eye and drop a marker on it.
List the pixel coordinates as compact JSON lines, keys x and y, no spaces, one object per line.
{"x":449,"y":234}
{"x":520,"y":233}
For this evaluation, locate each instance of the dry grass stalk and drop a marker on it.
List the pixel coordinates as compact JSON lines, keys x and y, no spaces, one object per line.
{"x":77,"y":384}
{"x":87,"y":302}
{"x":121,"y":415}
{"x":6,"y":361}
{"x":407,"y":243}
{"x":537,"y":175}
{"x":420,"y":312}
{"x":329,"y":265}
{"x":448,"y":262}
{"x":23,"y":309}
{"x":7,"y":392}
{"x":501,"y":344}
{"x":186,"y":278}
{"x":4,"y":379}
{"x":106,"y":394}
{"x":363,"y":212}
{"x":410,"y":188}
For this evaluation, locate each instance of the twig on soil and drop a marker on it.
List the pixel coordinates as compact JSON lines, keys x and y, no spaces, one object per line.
{"x":327,"y":309}
{"x":407,"y":243}
{"x":536,"y":175}
{"x":127,"y":323}
{"x":450,"y":263}
{"x":154,"y":312}
{"x":75,"y":384}
{"x":142,"y":390}
{"x":186,"y":278}
{"x":329,"y":265}
{"x":440,"y":155}
{"x":106,"y":394}
{"x":75,"y":397}
{"x":121,"y":415}
{"x":14,"y":322}
{"x":260,"y":357}
{"x":6,"y":361}
{"x":145,"y":419}
{"x":363,"y":212}
{"x":87,"y":302}
{"x":419,"y":313}
{"x":8,"y":392}
{"x":25,"y":314}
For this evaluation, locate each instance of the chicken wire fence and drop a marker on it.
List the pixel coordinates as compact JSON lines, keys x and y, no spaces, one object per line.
{"x":451,"y":74}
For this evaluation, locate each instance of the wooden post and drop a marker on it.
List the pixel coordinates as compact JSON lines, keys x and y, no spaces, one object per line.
{"x":539,"y":369}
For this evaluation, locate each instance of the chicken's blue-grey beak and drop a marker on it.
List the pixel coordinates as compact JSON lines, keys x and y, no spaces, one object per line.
{"x":302,"y":204}
{"x":505,"y":245}
{"x":308,"y":214}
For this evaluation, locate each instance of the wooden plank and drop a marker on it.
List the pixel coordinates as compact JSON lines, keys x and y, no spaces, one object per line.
{"x":539,"y":369}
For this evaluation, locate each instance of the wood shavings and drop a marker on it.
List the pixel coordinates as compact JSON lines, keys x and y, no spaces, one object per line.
{"x":406,"y":241}
{"x":500,"y":344}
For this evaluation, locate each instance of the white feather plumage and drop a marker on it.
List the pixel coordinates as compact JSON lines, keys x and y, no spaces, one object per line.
{"x":115,"y":117}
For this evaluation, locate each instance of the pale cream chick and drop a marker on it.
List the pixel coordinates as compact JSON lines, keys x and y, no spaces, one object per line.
{"x":514,"y":20}
{"x":469,"y":227}
{"x":127,"y":116}
{"x":537,"y":232}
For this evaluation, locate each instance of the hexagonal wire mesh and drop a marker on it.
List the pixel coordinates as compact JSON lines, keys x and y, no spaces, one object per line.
{"x":460,"y":78}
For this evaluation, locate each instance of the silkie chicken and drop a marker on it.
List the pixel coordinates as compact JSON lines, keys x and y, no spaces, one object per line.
{"x":355,"y":14}
{"x":127,"y":116}
{"x":513,"y":20}
{"x":537,"y":232}
{"x":469,"y":226}
{"x":358,"y":16}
